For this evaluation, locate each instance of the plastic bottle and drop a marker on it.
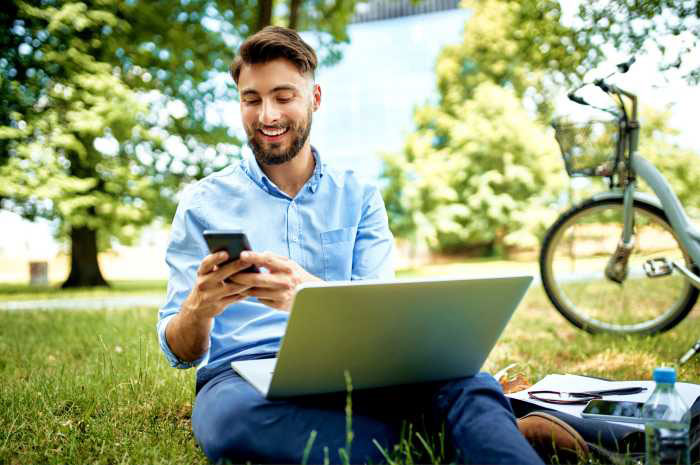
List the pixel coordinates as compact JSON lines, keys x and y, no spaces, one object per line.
{"x":666,"y":422}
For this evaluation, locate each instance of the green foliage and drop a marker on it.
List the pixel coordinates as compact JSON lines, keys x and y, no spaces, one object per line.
{"x":329,"y":22}
{"x":481,"y":171}
{"x":95,"y":86}
{"x":680,"y":166}
{"x":488,"y":185}
{"x":107,"y":105}
{"x":519,"y":45}
{"x":670,"y":27}
{"x":326,"y":20}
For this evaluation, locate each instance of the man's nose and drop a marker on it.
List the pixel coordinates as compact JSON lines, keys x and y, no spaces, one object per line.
{"x":269,"y":113}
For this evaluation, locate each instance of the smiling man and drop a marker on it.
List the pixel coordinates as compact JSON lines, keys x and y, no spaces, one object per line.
{"x":313,"y":223}
{"x":278,"y":125}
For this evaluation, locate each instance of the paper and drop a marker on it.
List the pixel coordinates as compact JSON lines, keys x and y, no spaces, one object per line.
{"x":575,"y":383}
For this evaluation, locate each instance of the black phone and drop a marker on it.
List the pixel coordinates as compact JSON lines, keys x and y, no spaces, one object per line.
{"x":614,"y":410}
{"x":233,"y":241}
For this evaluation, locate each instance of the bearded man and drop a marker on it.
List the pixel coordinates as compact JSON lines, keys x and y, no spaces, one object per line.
{"x":314,"y":223}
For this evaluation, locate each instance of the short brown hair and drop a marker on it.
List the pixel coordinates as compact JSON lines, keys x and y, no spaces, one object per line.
{"x":272,"y":43}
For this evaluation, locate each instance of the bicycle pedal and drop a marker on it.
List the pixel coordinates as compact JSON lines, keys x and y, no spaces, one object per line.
{"x":657,"y":267}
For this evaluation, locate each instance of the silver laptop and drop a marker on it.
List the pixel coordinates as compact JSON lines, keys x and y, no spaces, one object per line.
{"x":386,"y":333}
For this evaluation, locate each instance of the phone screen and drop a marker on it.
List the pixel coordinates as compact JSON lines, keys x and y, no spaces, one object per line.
{"x":232,"y":241}
{"x":616,"y":408}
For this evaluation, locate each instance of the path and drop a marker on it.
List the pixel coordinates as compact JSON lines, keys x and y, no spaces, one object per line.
{"x":85,"y":303}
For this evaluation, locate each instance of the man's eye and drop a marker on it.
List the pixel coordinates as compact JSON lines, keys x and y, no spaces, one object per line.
{"x":251,"y":102}
{"x":284,"y":99}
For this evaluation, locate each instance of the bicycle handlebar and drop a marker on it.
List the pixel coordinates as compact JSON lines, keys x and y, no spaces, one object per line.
{"x":625,"y":65}
{"x":611,"y":89}
{"x":575,"y":98}
{"x":628,"y":122}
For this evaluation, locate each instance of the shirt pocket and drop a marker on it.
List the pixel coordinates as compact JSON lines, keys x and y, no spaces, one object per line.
{"x":338,"y":246}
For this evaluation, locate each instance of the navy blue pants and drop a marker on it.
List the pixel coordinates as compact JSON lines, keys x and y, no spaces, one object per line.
{"x":233,"y":421}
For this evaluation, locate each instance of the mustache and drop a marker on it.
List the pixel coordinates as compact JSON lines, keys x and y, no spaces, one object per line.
{"x":272,"y":126}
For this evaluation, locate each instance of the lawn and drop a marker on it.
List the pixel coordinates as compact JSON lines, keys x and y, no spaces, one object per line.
{"x":92,"y":386}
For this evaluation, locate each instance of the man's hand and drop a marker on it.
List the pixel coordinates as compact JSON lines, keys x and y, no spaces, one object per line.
{"x":276,"y":288}
{"x":188,"y":332}
{"x":213,"y":291}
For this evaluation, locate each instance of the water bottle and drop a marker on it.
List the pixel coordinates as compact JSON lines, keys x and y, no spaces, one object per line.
{"x":666,"y":422}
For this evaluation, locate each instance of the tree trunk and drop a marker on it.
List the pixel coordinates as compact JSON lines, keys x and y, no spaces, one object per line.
{"x":84,"y":268}
{"x":294,"y":13}
{"x":264,"y":13}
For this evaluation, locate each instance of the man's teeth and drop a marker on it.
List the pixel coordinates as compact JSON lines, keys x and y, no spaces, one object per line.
{"x":273,"y":132}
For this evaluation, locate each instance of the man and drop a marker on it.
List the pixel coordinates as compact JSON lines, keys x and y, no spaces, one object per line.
{"x":314,"y":223}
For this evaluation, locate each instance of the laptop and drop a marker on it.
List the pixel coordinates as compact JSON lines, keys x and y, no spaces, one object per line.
{"x":385,"y":333}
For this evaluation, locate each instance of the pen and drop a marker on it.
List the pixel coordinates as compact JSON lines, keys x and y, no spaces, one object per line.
{"x":620,"y":392}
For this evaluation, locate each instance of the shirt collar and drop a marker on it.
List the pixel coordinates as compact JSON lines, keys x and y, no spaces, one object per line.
{"x":318,"y":171}
{"x":252,"y":169}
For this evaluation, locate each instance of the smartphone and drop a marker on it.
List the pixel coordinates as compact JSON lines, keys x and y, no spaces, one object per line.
{"x":233,"y":241}
{"x":614,"y":410}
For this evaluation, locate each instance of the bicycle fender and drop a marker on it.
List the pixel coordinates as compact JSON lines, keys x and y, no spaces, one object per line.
{"x":638,"y":196}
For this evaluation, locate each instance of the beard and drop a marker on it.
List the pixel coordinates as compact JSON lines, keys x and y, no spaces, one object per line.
{"x":274,"y":154}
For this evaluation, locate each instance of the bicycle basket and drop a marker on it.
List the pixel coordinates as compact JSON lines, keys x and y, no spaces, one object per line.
{"x":588,"y":148}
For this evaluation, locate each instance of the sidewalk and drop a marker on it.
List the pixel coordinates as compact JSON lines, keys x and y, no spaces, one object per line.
{"x":86,"y":303}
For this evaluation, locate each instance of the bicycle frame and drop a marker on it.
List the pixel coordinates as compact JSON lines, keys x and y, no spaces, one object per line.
{"x":659,"y":209}
{"x":635,"y":165}
{"x":687,"y":233}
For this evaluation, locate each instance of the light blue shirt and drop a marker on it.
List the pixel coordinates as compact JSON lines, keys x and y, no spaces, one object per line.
{"x":336,"y":228}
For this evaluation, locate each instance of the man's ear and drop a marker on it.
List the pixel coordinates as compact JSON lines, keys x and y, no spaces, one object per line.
{"x":316,"y":97}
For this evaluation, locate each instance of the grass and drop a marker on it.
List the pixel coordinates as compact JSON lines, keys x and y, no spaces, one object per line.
{"x":92,"y":386}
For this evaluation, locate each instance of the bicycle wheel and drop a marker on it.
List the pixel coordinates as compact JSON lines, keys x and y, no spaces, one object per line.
{"x":576,"y":250}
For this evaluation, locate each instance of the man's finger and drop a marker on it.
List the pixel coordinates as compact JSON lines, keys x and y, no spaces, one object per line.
{"x":232,"y":300}
{"x":229,"y":290}
{"x":267,"y":260}
{"x":210,"y":261}
{"x":261,"y":280}
{"x":263,"y":294}
{"x":230,"y":269}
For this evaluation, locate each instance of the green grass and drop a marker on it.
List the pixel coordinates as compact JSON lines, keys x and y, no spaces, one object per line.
{"x":92,"y":386}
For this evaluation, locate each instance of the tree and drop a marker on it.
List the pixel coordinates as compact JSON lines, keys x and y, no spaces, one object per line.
{"x":106,"y":107}
{"x":85,"y":72}
{"x":486,"y":187}
{"x":519,"y":45}
{"x":671,"y":27}
{"x":480,"y":170}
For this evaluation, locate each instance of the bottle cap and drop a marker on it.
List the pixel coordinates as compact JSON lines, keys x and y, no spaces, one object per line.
{"x":664,"y":375}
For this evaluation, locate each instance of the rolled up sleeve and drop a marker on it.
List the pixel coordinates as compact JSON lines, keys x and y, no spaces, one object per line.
{"x":373,"y":254}
{"x":186,"y":250}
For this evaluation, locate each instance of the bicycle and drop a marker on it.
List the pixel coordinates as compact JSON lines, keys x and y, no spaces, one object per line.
{"x":602,"y":255}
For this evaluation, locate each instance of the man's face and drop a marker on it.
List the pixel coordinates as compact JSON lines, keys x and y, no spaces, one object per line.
{"x":276,"y":106}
